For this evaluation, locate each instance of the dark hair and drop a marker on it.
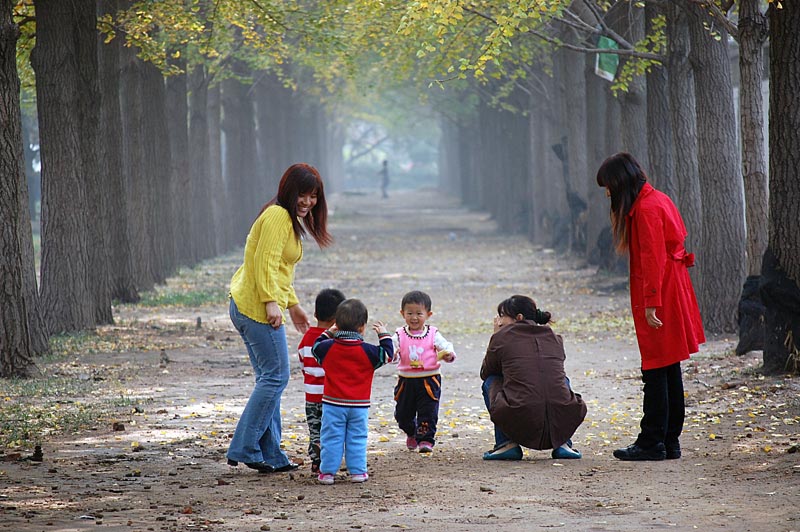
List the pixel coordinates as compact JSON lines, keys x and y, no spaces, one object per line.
{"x":299,"y":179}
{"x":624,"y":177}
{"x":325,"y":304}
{"x":351,"y":315}
{"x":415,"y":296}
{"x":523,"y":305}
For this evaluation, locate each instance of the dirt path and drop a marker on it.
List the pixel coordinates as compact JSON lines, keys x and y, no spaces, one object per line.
{"x":166,"y":469}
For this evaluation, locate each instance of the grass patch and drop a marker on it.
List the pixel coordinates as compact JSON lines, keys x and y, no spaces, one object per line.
{"x":183,"y":299}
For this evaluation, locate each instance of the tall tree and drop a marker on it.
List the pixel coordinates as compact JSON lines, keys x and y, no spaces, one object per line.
{"x":780,"y":283}
{"x":66,"y":299}
{"x":16,"y":351}
{"x":111,"y":169}
{"x":720,"y":176}
{"x":98,"y":241}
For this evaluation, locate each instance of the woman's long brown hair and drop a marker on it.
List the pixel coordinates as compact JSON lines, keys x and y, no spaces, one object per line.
{"x":299,"y":179}
{"x":624,"y":178}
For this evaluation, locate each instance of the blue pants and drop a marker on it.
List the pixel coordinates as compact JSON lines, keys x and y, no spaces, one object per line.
{"x":500,"y":438}
{"x":344,"y":433}
{"x":258,"y":433}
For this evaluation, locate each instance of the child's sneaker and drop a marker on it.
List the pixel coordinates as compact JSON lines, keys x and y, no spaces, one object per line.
{"x":425,"y":447}
{"x":411,"y":443}
{"x":359,"y":477}
{"x":325,"y":478}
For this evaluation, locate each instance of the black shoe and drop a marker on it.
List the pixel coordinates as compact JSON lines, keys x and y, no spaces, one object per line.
{"x":634,"y":452}
{"x":673,"y":451}
{"x":261,"y":467}
{"x":291,"y":466}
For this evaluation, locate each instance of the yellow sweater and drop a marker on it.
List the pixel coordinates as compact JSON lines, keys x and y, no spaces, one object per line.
{"x":270,"y":253}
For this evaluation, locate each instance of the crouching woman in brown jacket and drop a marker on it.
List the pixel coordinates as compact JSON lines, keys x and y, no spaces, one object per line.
{"x":525,"y":387}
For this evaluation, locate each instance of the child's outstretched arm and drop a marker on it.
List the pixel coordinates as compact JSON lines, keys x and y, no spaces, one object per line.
{"x":444,"y":348}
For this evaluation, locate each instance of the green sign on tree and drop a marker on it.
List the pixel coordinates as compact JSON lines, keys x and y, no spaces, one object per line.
{"x":606,"y":65}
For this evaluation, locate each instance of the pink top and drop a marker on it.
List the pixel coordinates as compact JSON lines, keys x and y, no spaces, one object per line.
{"x":416,"y":351}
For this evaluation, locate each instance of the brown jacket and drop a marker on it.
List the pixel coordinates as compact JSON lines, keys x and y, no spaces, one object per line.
{"x":532,"y":403}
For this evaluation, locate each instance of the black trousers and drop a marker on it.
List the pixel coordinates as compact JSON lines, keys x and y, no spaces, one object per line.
{"x":417,"y":409}
{"x":663,"y":405}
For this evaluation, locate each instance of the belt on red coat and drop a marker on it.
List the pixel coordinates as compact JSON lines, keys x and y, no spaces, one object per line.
{"x":682,"y":256}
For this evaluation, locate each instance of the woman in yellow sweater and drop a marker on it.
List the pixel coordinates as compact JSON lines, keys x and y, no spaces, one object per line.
{"x":261,"y":289}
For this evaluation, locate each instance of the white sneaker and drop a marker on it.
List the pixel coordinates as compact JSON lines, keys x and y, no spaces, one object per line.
{"x":359,"y":477}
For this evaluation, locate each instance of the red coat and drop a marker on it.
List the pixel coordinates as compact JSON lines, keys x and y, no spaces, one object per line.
{"x":660,"y":279}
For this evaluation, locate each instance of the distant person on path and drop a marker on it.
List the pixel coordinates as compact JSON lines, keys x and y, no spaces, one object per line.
{"x":313,"y":375}
{"x":261,"y":289}
{"x":349,"y":364}
{"x":525,"y":387}
{"x":648,"y":226}
{"x":419,"y":350}
{"x":384,"y":173}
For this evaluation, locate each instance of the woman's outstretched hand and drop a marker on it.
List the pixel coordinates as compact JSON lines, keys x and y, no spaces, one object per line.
{"x":652,"y":319}
{"x":299,"y":318}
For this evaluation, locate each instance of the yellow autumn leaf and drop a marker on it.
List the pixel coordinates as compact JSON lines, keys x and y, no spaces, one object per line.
{"x":712,"y":436}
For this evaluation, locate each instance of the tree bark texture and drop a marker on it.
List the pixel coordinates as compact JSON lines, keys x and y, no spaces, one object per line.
{"x":203,"y":231}
{"x":137,"y":183}
{"x":723,"y":248}
{"x":182,"y":184}
{"x":661,"y":170}
{"x":628,"y":21}
{"x":16,"y":351}
{"x":221,"y":205}
{"x":680,"y":85}
{"x":239,"y":126}
{"x":780,"y":276}
{"x":577,"y":182}
{"x":158,"y":169}
{"x":752,"y":35}
{"x":99,"y":239}
{"x":111,"y":169}
{"x":67,"y":302}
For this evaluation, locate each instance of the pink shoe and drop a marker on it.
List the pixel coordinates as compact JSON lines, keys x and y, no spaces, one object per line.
{"x":325,"y":478}
{"x":359,"y":477}
{"x":425,"y":447}
{"x":411,"y":443}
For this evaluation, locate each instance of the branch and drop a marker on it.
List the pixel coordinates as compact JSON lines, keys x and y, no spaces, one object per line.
{"x":368,"y":150}
{"x":605,"y":27}
{"x":720,"y":16}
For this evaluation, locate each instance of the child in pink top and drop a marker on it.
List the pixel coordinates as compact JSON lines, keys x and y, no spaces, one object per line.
{"x":313,"y":374}
{"x":419,"y":350}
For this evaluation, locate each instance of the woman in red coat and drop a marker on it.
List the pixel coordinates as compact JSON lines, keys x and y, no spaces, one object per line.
{"x":647,"y":225}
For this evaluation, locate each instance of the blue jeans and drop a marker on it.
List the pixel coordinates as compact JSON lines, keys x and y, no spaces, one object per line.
{"x":500,"y":438}
{"x":344,"y":432}
{"x":258,"y":433}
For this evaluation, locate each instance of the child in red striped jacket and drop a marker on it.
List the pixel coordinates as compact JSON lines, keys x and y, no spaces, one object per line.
{"x":313,"y":374}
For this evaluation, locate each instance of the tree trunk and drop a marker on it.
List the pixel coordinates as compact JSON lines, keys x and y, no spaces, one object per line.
{"x":99,"y":239}
{"x":240,"y":143}
{"x":16,"y":351}
{"x":221,"y":204}
{"x":752,"y":35}
{"x":661,"y":169}
{"x":680,"y":82}
{"x":111,"y":168}
{"x":628,"y":20}
{"x":182,"y":192}
{"x":780,"y":274}
{"x":137,"y":183}
{"x":66,"y":300}
{"x":202,"y":230}
{"x":723,"y":249}
{"x":158,"y":168}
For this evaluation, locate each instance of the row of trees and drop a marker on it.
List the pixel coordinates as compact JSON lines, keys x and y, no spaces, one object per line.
{"x":163,"y":132}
